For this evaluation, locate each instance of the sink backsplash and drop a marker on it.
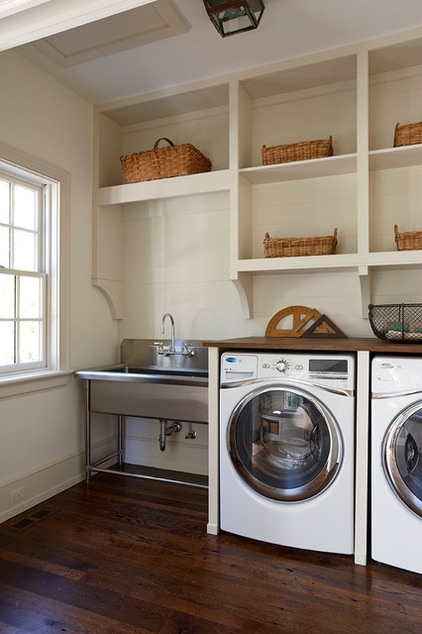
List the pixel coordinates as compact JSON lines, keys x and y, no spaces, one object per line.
{"x":144,"y":353}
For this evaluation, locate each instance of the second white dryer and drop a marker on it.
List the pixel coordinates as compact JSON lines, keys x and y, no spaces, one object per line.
{"x":396,"y":464}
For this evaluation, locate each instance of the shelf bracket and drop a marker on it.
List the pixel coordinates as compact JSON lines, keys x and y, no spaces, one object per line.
{"x":244,"y":286}
{"x":112,"y":291}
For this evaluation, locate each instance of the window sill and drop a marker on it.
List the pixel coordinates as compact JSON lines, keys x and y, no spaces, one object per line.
{"x":18,"y":384}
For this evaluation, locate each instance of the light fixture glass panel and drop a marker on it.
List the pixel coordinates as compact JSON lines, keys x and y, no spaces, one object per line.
{"x":232,"y":21}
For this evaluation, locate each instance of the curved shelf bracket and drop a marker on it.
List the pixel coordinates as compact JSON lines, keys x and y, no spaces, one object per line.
{"x":244,"y":286}
{"x":111,"y":290}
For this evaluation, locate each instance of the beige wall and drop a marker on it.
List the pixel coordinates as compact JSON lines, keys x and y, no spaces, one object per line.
{"x":41,"y":436}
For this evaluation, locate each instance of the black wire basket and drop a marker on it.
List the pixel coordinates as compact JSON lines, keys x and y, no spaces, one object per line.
{"x":397,"y":322}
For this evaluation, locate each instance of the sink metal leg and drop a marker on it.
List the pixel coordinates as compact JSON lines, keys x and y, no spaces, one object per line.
{"x":87,"y":432}
{"x":121,"y":420}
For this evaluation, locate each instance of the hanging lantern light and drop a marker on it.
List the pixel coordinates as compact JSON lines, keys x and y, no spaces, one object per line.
{"x":235,"y":16}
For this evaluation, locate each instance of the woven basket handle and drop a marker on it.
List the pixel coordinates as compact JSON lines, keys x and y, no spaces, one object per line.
{"x":163,"y":138}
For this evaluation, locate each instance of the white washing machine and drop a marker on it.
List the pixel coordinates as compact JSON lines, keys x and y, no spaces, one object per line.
{"x":287,"y":449}
{"x":396,"y":462}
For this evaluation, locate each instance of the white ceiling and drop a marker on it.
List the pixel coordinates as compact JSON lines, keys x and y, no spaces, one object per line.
{"x":188,"y":48}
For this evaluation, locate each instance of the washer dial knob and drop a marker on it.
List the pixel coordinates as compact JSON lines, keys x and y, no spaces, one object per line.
{"x":281,"y":365}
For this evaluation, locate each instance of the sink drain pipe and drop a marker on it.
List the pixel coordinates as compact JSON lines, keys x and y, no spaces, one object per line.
{"x":166,"y":429}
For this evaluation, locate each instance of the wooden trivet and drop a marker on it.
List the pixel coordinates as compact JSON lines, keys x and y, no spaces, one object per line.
{"x":300,"y":316}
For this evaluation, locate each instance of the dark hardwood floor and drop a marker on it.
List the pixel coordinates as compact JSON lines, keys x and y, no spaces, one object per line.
{"x":122,"y":555}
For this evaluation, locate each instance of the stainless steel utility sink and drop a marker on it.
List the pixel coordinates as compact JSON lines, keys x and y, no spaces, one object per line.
{"x":152,"y":385}
{"x":158,"y":380}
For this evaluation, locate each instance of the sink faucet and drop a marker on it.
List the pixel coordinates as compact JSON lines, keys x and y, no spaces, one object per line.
{"x":172,"y":348}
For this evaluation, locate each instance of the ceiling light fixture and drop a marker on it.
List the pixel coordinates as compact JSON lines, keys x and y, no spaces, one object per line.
{"x":235,"y":16}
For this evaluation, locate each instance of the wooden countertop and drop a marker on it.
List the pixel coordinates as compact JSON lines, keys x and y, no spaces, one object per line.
{"x":311,"y":344}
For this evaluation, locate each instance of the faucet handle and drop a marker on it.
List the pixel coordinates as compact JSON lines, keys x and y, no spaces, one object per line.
{"x":187,"y":350}
{"x":160,"y":347}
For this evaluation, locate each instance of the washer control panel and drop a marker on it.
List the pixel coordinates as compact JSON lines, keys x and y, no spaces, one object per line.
{"x":238,"y":367}
{"x":323,"y":369}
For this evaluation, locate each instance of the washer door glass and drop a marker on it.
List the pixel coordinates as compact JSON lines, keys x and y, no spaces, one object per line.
{"x":284,"y":443}
{"x":402,"y":457}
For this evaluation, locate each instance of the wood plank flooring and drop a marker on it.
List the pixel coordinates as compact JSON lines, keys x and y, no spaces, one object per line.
{"x":126,"y":556}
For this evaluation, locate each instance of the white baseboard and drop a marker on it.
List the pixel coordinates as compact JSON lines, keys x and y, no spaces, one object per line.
{"x":212,"y":529}
{"x":40,"y":485}
{"x":43,"y":483}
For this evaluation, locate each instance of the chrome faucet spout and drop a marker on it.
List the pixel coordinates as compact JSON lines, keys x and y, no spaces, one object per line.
{"x":173,"y":336}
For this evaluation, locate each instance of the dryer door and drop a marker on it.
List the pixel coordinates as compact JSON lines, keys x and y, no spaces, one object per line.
{"x":402,"y":457}
{"x":284,"y":443}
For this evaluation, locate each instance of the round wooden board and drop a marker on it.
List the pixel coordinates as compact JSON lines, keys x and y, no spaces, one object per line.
{"x":300,"y":316}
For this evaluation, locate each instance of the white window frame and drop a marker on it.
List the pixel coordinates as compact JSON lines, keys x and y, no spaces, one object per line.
{"x":41,"y":272}
{"x":56,"y":186}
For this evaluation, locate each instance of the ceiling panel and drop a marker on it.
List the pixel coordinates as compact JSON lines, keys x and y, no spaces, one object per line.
{"x":120,"y":32}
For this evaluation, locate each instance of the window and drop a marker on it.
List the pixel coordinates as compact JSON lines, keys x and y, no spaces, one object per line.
{"x":29,"y":271}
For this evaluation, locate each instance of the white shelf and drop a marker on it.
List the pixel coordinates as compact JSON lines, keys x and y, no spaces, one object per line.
{"x":339,"y":261}
{"x":330,"y":166}
{"x":395,"y":259}
{"x":288,"y":264}
{"x":165,"y":188}
{"x":405,"y":156}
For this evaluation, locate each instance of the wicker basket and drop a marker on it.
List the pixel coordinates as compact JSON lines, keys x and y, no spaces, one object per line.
{"x":302,"y":151}
{"x":408,"y":240}
{"x":397,"y":322}
{"x":289,"y":247}
{"x":407,"y":134}
{"x":176,"y":160}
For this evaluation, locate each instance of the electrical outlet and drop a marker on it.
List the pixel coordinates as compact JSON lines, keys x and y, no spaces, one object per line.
{"x":17,"y":496}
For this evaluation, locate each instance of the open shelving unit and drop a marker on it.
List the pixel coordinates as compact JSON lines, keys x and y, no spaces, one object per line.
{"x":356,"y":94}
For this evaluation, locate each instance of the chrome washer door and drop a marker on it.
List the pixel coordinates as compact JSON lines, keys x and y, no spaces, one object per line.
{"x":284,"y":443}
{"x":402,"y":457}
